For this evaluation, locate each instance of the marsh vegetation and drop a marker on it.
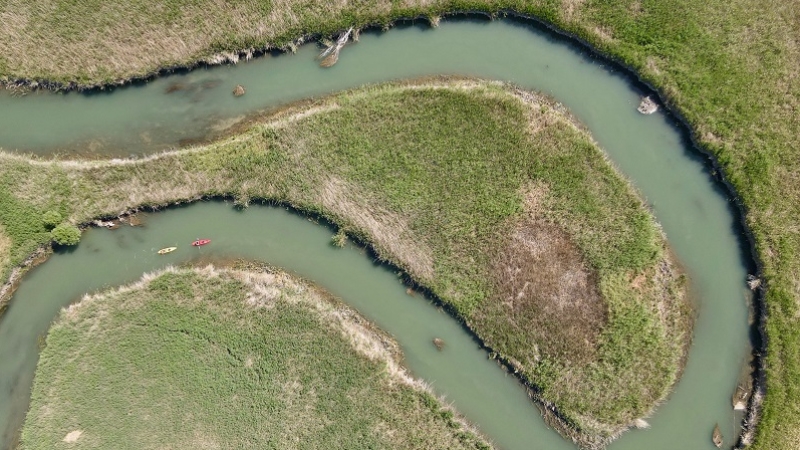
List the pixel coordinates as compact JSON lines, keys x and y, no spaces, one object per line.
{"x":730,"y":68}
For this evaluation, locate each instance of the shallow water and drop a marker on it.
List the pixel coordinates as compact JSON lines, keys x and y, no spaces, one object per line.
{"x":696,"y":217}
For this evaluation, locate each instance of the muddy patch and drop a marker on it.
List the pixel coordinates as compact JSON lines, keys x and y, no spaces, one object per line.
{"x":545,"y":295}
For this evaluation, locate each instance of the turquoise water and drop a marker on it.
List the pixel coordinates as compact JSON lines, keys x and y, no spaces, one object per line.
{"x":696,"y":217}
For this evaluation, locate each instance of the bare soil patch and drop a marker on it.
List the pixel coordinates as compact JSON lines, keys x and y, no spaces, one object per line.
{"x":544,"y":290}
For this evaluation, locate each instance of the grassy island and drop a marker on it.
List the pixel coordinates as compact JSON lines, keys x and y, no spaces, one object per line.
{"x":493,"y":198}
{"x":211,"y":358}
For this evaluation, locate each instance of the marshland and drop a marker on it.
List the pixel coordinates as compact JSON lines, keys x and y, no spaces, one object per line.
{"x":726,"y":166}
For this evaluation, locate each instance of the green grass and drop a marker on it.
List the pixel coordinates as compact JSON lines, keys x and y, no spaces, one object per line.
{"x":373,"y":161}
{"x":210,"y":358}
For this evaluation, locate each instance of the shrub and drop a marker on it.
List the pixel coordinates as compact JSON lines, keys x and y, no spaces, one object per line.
{"x":241,"y":201}
{"x":51,"y":219}
{"x":339,"y":239}
{"x":66,"y":234}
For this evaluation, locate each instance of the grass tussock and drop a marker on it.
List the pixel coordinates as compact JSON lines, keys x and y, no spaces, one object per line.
{"x":211,"y":358}
{"x":474,"y":189}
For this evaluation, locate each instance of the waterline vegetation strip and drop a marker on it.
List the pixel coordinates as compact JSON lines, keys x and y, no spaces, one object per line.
{"x":221,"y":358}
{"x":535,"y":241}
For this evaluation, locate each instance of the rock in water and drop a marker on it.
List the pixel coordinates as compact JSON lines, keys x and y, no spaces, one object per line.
{"x":716,"y":436}
{"x":238,"y":91}
{"x":439,"y":343}
{"x":740,"y":398}
{"x":647,"y":106}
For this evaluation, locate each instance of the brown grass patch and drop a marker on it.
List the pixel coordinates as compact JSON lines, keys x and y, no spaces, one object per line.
{"x":604,"y":33}
{"x":571,"y":7}
{"x":653,"y":65}
{"x":545,"y":293}
{"x":635,"y":8}
{"x":543,"y":290}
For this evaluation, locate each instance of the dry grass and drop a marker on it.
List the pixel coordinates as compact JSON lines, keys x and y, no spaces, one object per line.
{"x":385,"y":228}
{"x":543,"y":285}
{"x":111,"y":41}
{"x":5,"y":248}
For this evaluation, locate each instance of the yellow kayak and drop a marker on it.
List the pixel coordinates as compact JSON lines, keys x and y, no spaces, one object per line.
{"x":164,"y":251}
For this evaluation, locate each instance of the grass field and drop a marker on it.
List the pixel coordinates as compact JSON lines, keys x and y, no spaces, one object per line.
{"x":526,"y":188}
{"x":212,"y":358}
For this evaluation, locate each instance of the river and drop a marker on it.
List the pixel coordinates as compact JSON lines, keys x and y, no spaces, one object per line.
{"x":696,"y":216}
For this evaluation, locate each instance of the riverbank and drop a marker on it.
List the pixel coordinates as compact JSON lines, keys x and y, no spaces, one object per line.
{"x":609,"y":317}
{"x":277,"y":358}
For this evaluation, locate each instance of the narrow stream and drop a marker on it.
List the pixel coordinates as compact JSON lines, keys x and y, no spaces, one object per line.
{"x":695,"y":215}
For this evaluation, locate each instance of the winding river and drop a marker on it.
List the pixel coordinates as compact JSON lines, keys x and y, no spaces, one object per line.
{"x":695,"y":215}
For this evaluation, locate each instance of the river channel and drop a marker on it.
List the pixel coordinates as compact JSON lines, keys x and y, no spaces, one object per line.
{"x":650,"y":150}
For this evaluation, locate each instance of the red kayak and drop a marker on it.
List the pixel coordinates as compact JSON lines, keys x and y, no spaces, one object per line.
{"x":200,"y":242}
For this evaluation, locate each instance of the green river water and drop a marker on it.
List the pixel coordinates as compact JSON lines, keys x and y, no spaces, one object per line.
{"x":696,"y":217}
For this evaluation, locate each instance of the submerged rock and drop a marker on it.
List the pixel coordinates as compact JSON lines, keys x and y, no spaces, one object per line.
{"x":174,"y":87}
{"x":439,"y":343}
{"x":135,"y":221}
{"x":716,"y":436}
{"x":647,"y":106}
{"x":210,"y":84}
{"x":238,"y":91}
